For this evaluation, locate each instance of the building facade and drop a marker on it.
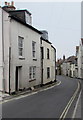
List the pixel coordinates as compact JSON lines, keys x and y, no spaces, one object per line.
{"x":69,"y":67}
{"x":22,"y":52}
{"x":80,"y":60}
{"x":48,"y":60}
{"x":1,"y":52}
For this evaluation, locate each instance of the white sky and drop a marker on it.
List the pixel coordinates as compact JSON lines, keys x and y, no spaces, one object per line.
{"x":62,"y":20}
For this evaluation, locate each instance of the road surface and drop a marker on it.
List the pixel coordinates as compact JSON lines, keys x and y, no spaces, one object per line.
{"x":45,"y":104}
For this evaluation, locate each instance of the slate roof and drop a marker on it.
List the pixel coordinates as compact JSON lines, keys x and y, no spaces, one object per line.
{"x":71,"y":59}
{"x":24,"y":23}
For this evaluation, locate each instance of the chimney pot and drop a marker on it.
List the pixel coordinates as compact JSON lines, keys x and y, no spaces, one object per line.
{"x":8,"y":3}
{"x":5,"y":3}
{"x":12,"y":3}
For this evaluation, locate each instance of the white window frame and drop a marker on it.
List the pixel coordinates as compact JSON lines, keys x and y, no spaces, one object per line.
{"x":48,"y":53}
{"x":32,"y":72}
{"x":20,"y":46}
{"x":48,"y":72}
{"x":34,"y":49}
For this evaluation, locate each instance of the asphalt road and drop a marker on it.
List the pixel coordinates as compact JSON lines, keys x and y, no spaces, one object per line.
{"x":44,"y":104}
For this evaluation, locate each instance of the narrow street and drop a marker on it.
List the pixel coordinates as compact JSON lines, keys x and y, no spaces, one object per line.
{"x":45,"y":104}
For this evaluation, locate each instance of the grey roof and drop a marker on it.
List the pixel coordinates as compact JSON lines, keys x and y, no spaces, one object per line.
{"x":24,"y":23}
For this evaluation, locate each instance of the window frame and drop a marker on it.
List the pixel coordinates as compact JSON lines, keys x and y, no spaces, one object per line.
{"x":20,"y":46}
{"x":33,"y":49}
{"x":32,"y":72}
{"x":48,"y":72}
{"x":48,"y":53}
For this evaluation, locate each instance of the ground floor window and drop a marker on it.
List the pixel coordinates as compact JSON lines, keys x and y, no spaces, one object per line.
{"x":32,"y":72}
{"x":48,"y":72}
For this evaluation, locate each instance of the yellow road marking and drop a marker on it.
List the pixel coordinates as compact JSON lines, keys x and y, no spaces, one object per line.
{"x":64,"y":113}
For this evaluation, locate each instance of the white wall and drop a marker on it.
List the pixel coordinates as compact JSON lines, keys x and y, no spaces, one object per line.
{"x":1,"y":53}
{"x":53,"y":60}
{"x":82,"y":19}
{"x":80,"y":61}
{"x":48,"y":62}
{"x":6,"y":39}
{"x":29,"y":35}
{"x":66,"y":68}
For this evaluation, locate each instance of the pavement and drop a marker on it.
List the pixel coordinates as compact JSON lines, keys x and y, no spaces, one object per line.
{"x":5,"y":96}
{"x":77,"y":110}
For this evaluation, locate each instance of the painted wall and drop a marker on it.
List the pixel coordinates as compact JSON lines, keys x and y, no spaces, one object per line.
{"x":48,"y":62}
{"x":82,"y":19}
{"x":29,"y":35}
{"x":66,"y":69}
{"x":80,"y":61}
{"x":1,"y":53}
{"x":6,"y":40}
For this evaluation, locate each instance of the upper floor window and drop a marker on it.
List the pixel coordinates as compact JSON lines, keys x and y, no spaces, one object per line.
{"x":42,"y":53}
{"x":20,"y":46}
{"x":48,"y":57}
{"x":34,"y":49}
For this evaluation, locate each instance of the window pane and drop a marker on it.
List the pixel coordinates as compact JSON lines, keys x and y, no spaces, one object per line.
{"x":20,"y":52}
{"x":20,"y":46}
{"x":47,"y":53}
{"x":34,"y":72}
{"x":30,"y":72}
{"x":48,"y":72}
{"x":34,"y":49}
{"x":33,"y":53}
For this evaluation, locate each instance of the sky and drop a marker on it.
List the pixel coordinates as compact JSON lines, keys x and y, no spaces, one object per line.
{"x":62,"y":20}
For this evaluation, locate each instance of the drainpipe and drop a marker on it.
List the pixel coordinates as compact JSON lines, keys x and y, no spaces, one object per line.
{"x":9,"y":55}
{"x":55,"y":65}
{"x":9,"y":66}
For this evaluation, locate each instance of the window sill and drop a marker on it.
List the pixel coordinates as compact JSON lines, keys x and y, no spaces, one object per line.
{"x":21,"y":58}
{"x":32,"y":80}
{"x":34,"y":59}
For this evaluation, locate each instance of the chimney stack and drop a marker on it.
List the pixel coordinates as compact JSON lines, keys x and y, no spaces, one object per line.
{"x":77,"y":48}
{"x":8,"y":6}
{"x":64,"y":57}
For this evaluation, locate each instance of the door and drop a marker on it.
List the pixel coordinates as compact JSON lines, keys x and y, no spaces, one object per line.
{"x":16,"y":86}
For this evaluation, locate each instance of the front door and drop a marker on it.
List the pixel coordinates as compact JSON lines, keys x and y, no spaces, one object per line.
{"x":16,"y":86}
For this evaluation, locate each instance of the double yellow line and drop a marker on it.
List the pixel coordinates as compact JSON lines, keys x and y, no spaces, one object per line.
{"x":64,"y":113}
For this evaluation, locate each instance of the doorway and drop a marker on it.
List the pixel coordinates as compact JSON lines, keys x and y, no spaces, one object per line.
{"x":17,"y":77}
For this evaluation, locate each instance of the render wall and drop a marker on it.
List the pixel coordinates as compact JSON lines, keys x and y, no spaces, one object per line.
{"x":1,"y":53}
{"x":27,"y":61}
{"x":80,"y":61}
{"x":6,"y":41}
{"x":48,"y":62}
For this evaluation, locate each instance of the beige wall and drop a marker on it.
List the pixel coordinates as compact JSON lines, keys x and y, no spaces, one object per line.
{"x":48,"y":62}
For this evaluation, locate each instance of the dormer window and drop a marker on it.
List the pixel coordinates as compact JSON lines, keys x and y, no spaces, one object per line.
{"x":28,"y":18}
